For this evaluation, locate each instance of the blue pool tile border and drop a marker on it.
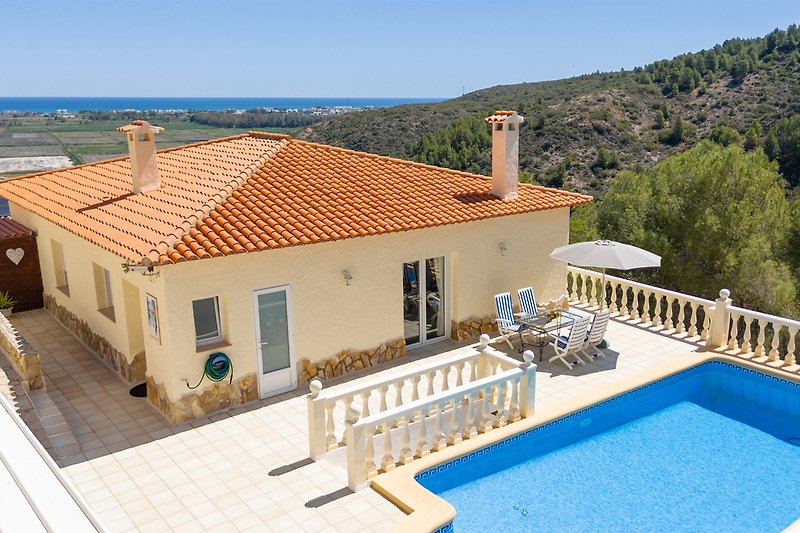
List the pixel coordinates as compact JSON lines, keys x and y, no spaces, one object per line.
{"x":528,"y":432}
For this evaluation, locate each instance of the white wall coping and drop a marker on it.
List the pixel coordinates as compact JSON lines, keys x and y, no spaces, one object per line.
{"x":55,"y":501}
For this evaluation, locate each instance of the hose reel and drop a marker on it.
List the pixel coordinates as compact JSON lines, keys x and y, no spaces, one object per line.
{"x":217,"y":367}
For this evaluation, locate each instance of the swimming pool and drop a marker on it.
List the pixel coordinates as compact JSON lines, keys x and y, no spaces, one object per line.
{"x":712,"y":448}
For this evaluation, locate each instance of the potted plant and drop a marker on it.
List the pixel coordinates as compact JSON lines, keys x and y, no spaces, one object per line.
{"x":6,"y":304}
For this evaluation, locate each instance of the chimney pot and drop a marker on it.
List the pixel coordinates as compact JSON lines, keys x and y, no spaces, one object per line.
{"x":142,"y":149}
{"x":505,"y":153}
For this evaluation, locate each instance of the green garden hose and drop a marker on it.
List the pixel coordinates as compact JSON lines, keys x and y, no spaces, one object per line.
{"x":218,"y":365}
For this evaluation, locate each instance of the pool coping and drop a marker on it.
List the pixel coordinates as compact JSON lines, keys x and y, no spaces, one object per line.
{"x":425,"y":511}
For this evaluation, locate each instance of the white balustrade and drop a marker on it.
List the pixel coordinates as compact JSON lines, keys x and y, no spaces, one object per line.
{"x":744,"y":332}
{"x":442,"y":420}
{"x":653,"y":306}
{"x":776,"y":336}
{"x":327,"y":408}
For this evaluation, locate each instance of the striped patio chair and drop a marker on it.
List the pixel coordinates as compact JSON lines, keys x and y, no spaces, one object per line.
{"x":527,"y":301}
{"x":506,"y":323}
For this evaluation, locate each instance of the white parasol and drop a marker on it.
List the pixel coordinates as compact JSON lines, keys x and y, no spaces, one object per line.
{"x":606,"y":254}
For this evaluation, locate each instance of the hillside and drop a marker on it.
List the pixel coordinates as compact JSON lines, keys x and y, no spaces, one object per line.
{"x":581,"y":131}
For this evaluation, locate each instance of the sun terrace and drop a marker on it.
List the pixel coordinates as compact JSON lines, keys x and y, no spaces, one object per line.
{"x":304,"y":461}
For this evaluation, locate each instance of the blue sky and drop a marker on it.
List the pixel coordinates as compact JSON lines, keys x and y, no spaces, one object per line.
{"x":349,"y":48}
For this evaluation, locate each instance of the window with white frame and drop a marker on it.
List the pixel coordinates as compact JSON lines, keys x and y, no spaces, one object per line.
{"x":207,"y":326}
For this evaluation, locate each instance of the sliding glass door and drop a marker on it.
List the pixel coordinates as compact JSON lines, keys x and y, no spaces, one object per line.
{"x":424,"y":302}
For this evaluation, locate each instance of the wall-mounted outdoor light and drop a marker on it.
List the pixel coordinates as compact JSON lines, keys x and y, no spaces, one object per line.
{"x":503,"y":248}
{"x":348,"y":277}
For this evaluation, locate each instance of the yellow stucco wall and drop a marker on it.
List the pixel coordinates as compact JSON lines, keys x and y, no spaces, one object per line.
{"x":328,"y":315}
{"x":80,"y":258}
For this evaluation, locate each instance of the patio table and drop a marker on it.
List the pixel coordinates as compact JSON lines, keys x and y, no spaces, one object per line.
{"x":542,"y":327}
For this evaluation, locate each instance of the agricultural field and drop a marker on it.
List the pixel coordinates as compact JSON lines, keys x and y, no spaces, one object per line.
{"x":36,"y":143}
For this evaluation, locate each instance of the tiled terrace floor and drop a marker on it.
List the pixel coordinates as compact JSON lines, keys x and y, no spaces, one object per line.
{"x":247,"y":468}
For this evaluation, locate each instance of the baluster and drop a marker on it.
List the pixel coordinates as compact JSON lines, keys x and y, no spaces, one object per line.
{"x":582,"y":299}
{"x":746,"y":347}
{"x":398,"y":390}
{"x":493,"y":395}
{"x":454,"y":436}
{"x":656,"y":321}
{"x":596,"y":290}
{"x":513,"y":406}
{"x":439,"y":438}
{"x":459,"y":375}
{"x":330,"y":427}
{"x":387,"y":462}
{"x":706,"y":326}
{"x":625,"y":310}
{"x":773,"y":353}
{"x":372,"y":469}
{"x":470,"y":414}
{"x":501,"y":419}
{"x":406,"y":455}
{"x":423,"y":448}
{"x":790,"y":359}
{"x":347,"y":401}
{"x":613,"y":307}
{"x":485,"y":423}
{"x":445,"y":378}
{"x":365,"y":402}
{"x":414,"y":394}
{"x":635,"y":304}
{"x":762,"y":327}
{"x":473,"y":370}
{"x":733,"y":339}
{"x":680,"y":326}
{"x":668,"y":323}
{"x":692,"y":319}
{"x":431,"y":376}
{"x":382,"y":390}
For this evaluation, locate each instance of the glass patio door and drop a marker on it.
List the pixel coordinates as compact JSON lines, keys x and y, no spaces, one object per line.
{"x":424,"y":300}
{"x":274,"y":341}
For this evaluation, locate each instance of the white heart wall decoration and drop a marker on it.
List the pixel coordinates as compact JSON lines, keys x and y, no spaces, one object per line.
{"x":15,"y":254}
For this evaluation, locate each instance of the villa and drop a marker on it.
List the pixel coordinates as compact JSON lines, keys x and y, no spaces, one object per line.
{"x":295,"y":260}
{"x":316,"y":272}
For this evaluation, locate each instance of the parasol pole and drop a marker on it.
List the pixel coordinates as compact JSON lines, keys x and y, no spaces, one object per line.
{"x":603,"y":289}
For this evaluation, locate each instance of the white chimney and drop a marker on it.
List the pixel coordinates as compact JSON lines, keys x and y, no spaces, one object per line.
{"x":505,"y":153}
{"x":142,"y":148}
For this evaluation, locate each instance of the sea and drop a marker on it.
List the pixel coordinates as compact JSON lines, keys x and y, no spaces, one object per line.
{"x":70,"y":104}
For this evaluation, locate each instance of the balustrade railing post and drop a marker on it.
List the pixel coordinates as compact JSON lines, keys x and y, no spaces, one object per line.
{"x":527,"y":385}
{"x":356,"y":449}
{"x":484,"y":365}
{"x":720,"y":320}
{"x":317,"y":442}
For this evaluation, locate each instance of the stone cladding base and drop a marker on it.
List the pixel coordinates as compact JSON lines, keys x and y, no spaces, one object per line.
{"x":351,"y":361}
{"x":132,"y":372}
{"x":472,"y":327}
{"x":221,"y":395}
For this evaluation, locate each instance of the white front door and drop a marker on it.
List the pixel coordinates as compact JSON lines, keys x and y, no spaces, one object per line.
{"x":274,"y":340}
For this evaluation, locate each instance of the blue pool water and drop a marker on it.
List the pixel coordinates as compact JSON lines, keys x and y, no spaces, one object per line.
{"x":709,"y":449}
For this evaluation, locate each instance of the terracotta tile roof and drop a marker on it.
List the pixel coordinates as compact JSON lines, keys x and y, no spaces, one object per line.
{"x":95,"y":201}
{"x":309,"y":193}
{"x":499,"y":116}
{"x":10,"y":228}
{"x":259,"y":192}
